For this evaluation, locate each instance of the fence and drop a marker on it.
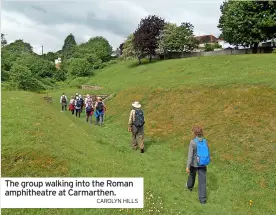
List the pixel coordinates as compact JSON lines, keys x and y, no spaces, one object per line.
{"x":174,"y":55}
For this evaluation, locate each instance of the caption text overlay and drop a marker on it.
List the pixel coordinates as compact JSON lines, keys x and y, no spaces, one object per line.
{"x":72,"y":192}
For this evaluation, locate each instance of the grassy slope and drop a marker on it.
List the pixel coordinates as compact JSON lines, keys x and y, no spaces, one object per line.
{"x":233,"y":97}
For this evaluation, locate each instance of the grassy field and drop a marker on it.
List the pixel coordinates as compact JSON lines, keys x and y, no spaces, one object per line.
{"x":232,"y":97}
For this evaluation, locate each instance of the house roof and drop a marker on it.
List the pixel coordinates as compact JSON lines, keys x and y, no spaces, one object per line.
{"x":207,"y":39}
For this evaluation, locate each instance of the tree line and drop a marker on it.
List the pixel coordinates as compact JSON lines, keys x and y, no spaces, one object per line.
{"x":242,"y":23}
{"x":155,"y":35}
{"x":23,"y":69}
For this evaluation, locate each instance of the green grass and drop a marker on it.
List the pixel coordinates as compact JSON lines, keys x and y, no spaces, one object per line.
{"x":232,"y":97}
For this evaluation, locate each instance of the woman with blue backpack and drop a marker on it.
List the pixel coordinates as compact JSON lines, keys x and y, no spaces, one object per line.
{"x":198,"y":159}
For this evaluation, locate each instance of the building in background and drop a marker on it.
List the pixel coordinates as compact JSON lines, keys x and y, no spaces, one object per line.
{"x":57,"y":63}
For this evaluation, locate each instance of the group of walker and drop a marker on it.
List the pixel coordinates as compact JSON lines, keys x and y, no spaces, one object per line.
{"x":198,"y":155}
{"x":77,"y":104}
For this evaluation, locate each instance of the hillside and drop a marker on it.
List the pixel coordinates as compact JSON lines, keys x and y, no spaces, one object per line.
{"x":232,"y":97}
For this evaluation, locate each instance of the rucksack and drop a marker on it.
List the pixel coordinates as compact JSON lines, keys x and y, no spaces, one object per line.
{"x":81,"y":100}
{"x":89,"y":108}
{"x":139,"y":118}
{"x":100,"y":106}
{"x":203,"y":153}
{"x":63,"y":100}
{"x":78,"y":103}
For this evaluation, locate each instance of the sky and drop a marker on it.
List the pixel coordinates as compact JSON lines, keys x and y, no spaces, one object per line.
{"x":47,"y":23}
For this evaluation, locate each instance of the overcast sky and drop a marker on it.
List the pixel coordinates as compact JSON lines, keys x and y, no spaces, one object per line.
{"x":48,"y":22}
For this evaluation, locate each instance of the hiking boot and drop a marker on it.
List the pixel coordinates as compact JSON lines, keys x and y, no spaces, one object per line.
{"x":203,"y":203}
{"x":142,"y":150}
{"x":191,"y":189}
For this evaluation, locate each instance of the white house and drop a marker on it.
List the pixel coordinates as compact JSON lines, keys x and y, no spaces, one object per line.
{"x":58,"y":61}
{"x":224,"y":44}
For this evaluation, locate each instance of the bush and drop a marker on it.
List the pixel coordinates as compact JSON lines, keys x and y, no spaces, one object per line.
{"x":77,"y":82}
{"x":208,"y":47}
{"x":22,"y":78}
{"x":80,"y":67}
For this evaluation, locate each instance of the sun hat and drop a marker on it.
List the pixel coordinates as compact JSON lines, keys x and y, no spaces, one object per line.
{"x":136,"y":104}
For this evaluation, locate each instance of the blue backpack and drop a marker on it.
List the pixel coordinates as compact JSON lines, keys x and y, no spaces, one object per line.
{"x":203,"y":154}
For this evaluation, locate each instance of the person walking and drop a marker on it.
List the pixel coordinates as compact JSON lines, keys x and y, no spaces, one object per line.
{"x":89,"y":111}
{"x":88,"y":99}
{"x":100,"y":110}
{"x":78,"y":106}
{"x":63,"y":102}
{"x":82,"y":102}
{"x":72,"y":105}
{"x":136,"y":126}
{"x":198,"y":159}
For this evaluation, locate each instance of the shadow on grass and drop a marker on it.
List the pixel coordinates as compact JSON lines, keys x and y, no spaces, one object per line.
{"x":144,"y":62}
{"x":148,"y":142}
{"x":212,"y":184}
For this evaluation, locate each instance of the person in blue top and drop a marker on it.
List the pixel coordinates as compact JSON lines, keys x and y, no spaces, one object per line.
{"x":99,"y":111}
{"x":198,"y":159}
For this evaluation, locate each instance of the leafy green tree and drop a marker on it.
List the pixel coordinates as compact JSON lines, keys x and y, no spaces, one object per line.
{"x":247,"y":23}
{"x":19,"y":47}
{"x":129,"y":52}
{"x":69,"y":47}
{"x":80,"y":67}
{"x":60,"y":75}
{"x":96,"y":48}
{"x":50,"y":56}
{"x":43,"y":68}
{"x":6,"y":60}
{"x":146,"y":36}
{"x":208,"y":47}
{"x":177,"y":38}
{"x":23,"y":79}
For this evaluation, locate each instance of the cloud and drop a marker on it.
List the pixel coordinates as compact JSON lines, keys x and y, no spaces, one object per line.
{"x":47,"y":23}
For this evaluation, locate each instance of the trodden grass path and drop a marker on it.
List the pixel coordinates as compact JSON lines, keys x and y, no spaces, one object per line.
{"x":39,"y":141}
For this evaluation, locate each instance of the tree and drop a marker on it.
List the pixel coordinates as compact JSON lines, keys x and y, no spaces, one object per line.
{"x":43,"y":68}
{"x":146,"y":36}
{"x":50,"y":56}
{"x":3,"y":40}
{"x":80,"y":67}
{"x":247,"y":23}
{"x":69,"y":46}
{"x":13,"y":52}
{"x":23,"y":79}
{"x":19,"y":47}
{"x":98,"y":47}
{"x":129,"y":50}
{"x":60,"y":75}
{"x":177,"y":38}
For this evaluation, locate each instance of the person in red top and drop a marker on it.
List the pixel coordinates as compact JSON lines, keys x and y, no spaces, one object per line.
{"x":72,"y":105}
